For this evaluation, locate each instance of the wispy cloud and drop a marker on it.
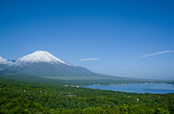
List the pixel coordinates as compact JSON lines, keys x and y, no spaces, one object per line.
{"x":89,"y":59}
{"x":158,"y":53}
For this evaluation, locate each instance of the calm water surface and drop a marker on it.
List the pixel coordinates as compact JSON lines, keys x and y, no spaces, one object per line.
{"x":137,"y":88}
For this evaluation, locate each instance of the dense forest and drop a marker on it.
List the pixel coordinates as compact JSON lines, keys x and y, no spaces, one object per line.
{"x":36,"y":98}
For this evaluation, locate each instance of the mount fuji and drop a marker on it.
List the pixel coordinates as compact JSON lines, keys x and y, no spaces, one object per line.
{"x":42,"y":63}
{"x":40,"y":56}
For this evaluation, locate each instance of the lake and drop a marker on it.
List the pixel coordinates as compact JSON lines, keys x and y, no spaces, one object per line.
{"x":137,"y":88}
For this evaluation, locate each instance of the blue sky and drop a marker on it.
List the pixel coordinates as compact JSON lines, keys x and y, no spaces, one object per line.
{"x":130,"y":38}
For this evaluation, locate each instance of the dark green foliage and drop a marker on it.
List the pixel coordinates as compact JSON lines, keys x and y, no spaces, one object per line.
{"x":30,"y":98}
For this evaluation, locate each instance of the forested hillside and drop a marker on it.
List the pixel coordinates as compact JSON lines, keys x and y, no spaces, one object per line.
{"x":32,"y":98}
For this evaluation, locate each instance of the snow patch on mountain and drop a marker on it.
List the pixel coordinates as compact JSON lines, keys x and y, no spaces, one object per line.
{"x":40,"y":56}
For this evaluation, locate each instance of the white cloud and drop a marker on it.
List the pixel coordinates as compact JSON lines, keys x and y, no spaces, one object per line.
{"x":158,"y":53}
{"x":89,"y":59}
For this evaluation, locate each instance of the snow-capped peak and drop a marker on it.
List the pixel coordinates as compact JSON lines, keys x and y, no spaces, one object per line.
{"x":40,"y":56}
{"x":5,"y":61}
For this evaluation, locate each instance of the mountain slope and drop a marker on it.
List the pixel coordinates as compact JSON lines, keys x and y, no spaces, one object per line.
{"x":47,"y":69}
